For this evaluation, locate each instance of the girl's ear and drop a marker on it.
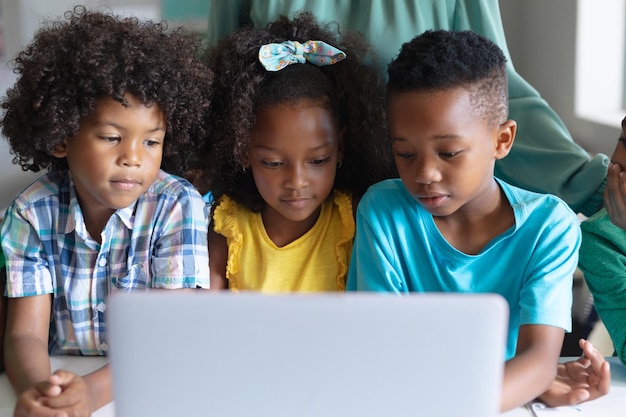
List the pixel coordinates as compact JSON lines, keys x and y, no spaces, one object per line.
{"x":506,"y":136}
{"x":60,"y":150}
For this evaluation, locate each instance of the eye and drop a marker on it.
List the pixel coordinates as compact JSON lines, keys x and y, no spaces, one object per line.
{"x":405,"y":155}
{"x":271,"y":164}
{"x":321,"y":161}
{"x":448,"y":155}
{"x":152,"y":143}
{"x":110,"y":138}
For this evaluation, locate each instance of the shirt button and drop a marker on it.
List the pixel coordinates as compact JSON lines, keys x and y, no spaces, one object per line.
{"x":102,"y":262}
{"x":103,"y":347}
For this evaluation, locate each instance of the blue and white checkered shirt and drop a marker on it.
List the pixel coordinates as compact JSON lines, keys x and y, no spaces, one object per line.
{"x":158,"y":242}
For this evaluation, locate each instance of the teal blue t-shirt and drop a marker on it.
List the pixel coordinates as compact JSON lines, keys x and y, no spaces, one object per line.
{"x":398,"y":248}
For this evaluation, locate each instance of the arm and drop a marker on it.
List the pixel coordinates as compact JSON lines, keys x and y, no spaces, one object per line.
{"x":180,"y":256}
{"x":372,"y":263}
{"x":78,"y":395}
{"x":28,"y":365}
{"x":544,"y":305}
{"x":602,"y":260}
{"x":532,"y":370}
{"x":218,"y":257}
{"x":3,"y":309}
{"x":26,"y":344}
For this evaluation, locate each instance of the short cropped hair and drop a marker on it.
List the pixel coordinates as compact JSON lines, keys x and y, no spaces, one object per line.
{"x":441,"y":60}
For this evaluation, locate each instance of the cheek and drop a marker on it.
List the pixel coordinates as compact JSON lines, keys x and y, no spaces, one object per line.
{"x":328,"y":175}
{"x":264,"y":183}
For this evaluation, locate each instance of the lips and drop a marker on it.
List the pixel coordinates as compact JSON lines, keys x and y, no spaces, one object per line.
{"x":432,"y":199}
{"x":126,"y":183}
{"x":297,"y":203}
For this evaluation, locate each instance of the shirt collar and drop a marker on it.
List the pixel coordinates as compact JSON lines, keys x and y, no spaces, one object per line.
{"x":76,"y":220}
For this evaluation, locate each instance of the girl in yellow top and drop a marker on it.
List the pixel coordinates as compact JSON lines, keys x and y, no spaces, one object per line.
{"x":299,"y":135}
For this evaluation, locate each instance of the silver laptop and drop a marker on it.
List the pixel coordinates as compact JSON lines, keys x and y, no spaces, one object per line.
{"x":330,"y":355}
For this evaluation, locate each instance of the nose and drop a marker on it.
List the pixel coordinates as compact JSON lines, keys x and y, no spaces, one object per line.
{"x":297,"y":177}
{"x":427,"y":171}
{"x":130,"y":153}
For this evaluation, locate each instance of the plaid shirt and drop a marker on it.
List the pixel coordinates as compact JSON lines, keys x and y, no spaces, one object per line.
{"x":159,"y":242}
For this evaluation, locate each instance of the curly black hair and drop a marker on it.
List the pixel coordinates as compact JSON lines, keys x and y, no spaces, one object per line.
{"x":72,"y":63}
{"x":351,"y":90}
{"x":441,"y":59}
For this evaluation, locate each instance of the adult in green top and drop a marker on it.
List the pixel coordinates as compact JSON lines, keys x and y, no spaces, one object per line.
{"x":544,"y":157}
{"x":602,"y":258}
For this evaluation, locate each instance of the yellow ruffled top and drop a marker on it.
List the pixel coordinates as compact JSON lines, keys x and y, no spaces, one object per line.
{"x":317,"y":261}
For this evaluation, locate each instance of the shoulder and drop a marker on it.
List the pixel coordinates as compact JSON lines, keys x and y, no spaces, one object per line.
{"x":388,"y":196}
{"x":343,"y":200}
{"x":600,"y":223}
{"x":48,"y":189}
{"x":226,"y":207}
{"x":229,"y":215}
{"x":171,"y":197}
{"x":529,"y":204}
{"x":173,"y":187}
{"x":599,"y":232}
{"x":344,"y":204}
{"x":387,"y":192}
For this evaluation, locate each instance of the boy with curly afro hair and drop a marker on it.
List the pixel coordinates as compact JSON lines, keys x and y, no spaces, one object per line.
{"x":103,"y":103}
{"x":449,"y":225}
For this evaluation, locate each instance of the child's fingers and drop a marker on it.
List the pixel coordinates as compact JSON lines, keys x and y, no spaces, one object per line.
{"x":62,"y":377}
{"x":604,"y":383}
{"x":48,"y":389}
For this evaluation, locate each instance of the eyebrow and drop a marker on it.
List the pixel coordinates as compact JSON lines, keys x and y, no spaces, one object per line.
{"x":116,"y":126}
{"x":269,"y":148}
{"x":438,"y":137}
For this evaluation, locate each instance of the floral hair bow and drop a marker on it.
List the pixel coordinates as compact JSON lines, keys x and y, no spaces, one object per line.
{"x":276,"y":56}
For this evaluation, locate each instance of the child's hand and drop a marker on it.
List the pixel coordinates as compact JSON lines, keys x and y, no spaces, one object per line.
{"x":584,"y":379}
{"x":29,"y":403}
{"x":615,"y":191}
{"x":615,"y":195}
{"x":64,"y":394}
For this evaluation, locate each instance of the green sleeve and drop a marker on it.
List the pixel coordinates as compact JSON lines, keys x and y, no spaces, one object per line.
{"x":544,"y":157}
{"x":602,"y":259}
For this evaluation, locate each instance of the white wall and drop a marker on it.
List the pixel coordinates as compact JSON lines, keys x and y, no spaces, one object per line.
{"x":541,"y":36}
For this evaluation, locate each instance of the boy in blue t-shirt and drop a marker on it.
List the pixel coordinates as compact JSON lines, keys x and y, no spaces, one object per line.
{"x":448,"y":225}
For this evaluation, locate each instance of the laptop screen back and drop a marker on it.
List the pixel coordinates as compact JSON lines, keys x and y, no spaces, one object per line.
{"x":349,"y":354}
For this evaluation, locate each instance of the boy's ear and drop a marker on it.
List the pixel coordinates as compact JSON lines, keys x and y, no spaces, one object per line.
{"x":506,"y":137}
{"x":60,"y":150}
